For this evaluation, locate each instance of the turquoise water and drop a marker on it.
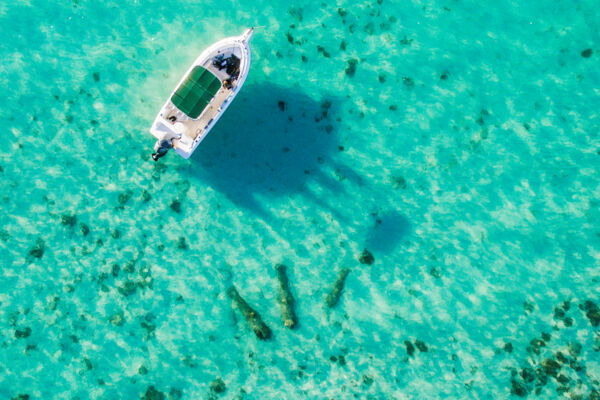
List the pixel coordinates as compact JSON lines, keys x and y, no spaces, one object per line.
{"x":457,"y":141}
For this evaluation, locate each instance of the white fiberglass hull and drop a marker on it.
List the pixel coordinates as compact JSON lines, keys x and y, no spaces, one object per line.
{"x":185,"y":132}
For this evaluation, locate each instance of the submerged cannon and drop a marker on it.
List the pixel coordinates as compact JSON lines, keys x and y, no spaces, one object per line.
{"x":252,"y":316}
{"x":334,"y":295}
{"x":285,"y":299}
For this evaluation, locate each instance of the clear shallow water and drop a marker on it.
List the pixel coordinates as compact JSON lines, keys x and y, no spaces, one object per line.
{"x":462,"y":151}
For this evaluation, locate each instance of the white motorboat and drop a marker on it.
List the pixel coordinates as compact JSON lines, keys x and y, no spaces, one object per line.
{"x":202,"y":96}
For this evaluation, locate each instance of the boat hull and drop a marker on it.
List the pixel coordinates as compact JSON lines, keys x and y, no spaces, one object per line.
{"x":185,"y":132}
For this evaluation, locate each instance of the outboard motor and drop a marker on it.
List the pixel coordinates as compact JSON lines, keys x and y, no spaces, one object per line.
{"x":161,"y":147}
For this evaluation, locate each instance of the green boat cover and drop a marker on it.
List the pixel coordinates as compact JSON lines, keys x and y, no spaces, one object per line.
{"x":196,"y":91}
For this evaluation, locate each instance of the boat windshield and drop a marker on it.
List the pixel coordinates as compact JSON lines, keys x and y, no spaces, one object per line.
{"x":196,"y":91}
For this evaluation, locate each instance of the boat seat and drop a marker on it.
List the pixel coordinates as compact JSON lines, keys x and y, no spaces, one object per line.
{"x":180,"y":116}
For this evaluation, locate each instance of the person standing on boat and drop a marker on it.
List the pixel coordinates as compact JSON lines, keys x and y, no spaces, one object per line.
{"x":227,"y":84}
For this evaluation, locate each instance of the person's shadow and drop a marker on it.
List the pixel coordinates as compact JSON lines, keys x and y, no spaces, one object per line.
{"x":268,"y":143}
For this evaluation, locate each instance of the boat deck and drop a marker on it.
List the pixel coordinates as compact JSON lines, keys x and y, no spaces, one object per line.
{"x":213,"y":108}
{"x":194,"y":127}
{"x":182,"y":118}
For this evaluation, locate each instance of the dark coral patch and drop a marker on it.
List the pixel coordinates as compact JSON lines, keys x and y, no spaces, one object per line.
{"x":592,"y":312}
{"x":175,"y":206}
{"x":153,"y":394}
{"x":124,"y":197}
{"x":421,"y":345}
{"x":410,"y":349}
{"x":37,"y":251}
{"x":351,"y":67}
{"x":85,"y":230}
{"x":550,"y":367}
{"x":218,"y":386}
{"x":23,"y":333}
{"x":322,"y":50}
{"x":366,"y":257}
{"x":68,"y":220}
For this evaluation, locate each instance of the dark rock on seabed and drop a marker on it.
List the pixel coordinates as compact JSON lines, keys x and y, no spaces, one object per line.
{"x":366,"y":257}
{"x":540,"y":377}
{"x":560,"y":357}
{"x":68,"y":220}
{"x":130,"y":266}
{"x":218,"y":386}
{"x":535,"y":345}
{"x":23,"y":333}
{"x":181,"y":244}
{"x":322,"y":50}
{"x":518,"y":388}
{"x":433,"y":271}
{"x":351,"y":67}
{"x":421,"y":345}
{"x":84,"y":229}
{"x":563,"y":379}
{"x":146,"y":196}
{"x":127,"y":288}
{"x":575,"y":349}
{"x":175,"y":394}
{"x":124,"y":197}
{"x":592,"y":312}
{"x":175,"y":206}
{"x":528,"y":374}
{"x":410,"y":349}
{"x":153,"y":394}
{"x":550,"y":367}
{"x":37,"y":251}
{"x":367,"y":380}
{"x":398,"y":180}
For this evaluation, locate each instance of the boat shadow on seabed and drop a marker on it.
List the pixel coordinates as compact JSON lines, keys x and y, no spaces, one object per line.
{"x":269,"y":143}
{"x":275,"y":141}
